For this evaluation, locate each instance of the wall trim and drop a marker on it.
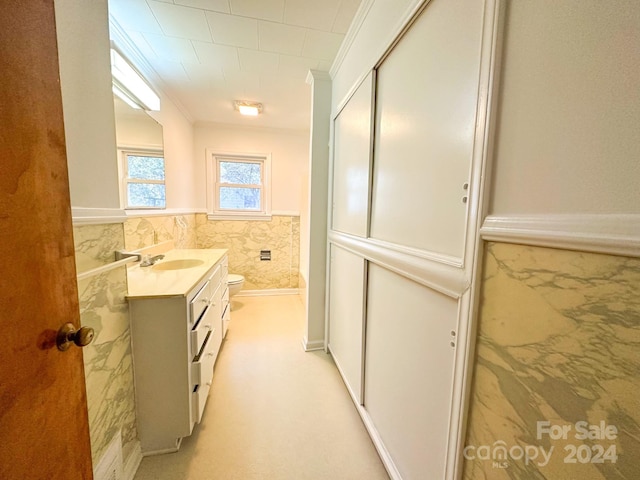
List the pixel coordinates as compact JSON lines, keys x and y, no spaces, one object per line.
{"x":285,"y":213}
{"x":97,"y":216}
{"x":167,"y":212}
{"x":312,"y":346}
{"x":352,"y":33}
{"x":132,"y":462}
{"x":442,"y":277}
{"x":268,"y":292}
{"x":613,"y":234}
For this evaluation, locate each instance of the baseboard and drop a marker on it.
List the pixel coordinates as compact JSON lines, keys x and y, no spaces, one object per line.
{"x":613,"y":234}
{"x":267,"y":292}
{"x":312,"y":346}
{"x":132,"y":462}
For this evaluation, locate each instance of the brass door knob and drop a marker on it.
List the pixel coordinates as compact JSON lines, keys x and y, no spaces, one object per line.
{"x":68,"y":335}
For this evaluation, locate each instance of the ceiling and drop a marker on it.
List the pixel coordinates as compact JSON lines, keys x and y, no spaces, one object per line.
{"x":209,"y":53}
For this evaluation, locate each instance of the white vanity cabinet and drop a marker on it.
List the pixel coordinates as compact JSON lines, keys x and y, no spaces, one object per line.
{"x":175,"y":341}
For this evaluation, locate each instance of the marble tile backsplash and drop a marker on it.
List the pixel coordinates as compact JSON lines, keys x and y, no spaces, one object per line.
{"x":140,"y":232}
{"x":108,"y":362}
{"x":558,"y":342}
{"x":245,"y":238}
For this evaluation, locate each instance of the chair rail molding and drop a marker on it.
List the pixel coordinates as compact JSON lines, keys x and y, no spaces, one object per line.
{"x":614,"y":234}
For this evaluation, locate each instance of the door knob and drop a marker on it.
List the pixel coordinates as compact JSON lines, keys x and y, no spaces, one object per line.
{"x":68,"y":335}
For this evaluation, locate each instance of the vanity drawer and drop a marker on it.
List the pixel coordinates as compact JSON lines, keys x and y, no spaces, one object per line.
{"x":199,"y":334}
{"x":199,"y":303}
{"x":202,"y":369}
{"x":214,"y":279}
{"x":226,"y":318}
{"x":198,"y":401}
{"x":224,"y":270}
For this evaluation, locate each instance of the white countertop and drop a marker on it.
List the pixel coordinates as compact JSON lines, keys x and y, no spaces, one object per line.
{"x":150,"y":282}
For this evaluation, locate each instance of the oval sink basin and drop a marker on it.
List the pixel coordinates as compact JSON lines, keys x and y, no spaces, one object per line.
{"x":177,"y":264}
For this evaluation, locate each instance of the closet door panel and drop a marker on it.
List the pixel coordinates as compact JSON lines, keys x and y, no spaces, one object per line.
{"x":427,"y":91}
{"x":351,"y":165}
{"x":346,"y":308}
{"x":409,"y":370}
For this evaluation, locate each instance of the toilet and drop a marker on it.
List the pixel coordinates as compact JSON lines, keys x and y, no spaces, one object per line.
{"x":235,"y":283}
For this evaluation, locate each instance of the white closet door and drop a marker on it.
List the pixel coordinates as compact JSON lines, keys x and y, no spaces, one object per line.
{"x":351,"y":162}
{"x":427,"y":91}
{"x":409,"y":371}
{"x":346,"y":316}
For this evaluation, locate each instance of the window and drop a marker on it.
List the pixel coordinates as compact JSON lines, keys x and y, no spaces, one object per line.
{"x":144,"y":183}
{"x":238,"y":185}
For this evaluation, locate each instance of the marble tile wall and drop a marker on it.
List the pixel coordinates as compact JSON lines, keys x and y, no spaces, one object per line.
{"x":558,"y":342}
{"x":146,"y":231}
{"x":107,"y":360}
{"x":245,"y":238}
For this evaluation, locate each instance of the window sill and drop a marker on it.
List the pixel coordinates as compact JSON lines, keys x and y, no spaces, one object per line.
{"x":239,"y":216}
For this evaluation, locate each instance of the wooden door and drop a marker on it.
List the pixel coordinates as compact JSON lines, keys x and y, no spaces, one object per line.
{"x":43,"y":414}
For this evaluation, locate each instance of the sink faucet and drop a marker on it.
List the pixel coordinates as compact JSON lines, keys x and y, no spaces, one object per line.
{"x":147,"y":261}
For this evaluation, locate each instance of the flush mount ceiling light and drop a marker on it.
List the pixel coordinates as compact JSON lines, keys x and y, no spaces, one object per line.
{"x":248,"y":108}
{"x":129,"y":85}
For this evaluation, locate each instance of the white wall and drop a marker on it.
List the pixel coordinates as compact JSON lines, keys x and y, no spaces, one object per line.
{"x":289,"y":160}
{"x":85,"y":75}
{"x":569,"y":115}
{"x":179,"y":155}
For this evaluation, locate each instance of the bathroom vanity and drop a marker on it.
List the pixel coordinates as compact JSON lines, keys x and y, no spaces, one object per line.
{"x":179,"y":311}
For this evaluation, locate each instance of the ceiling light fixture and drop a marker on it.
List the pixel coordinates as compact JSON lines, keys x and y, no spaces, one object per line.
{"x":248,"y":108}
{"x":128,"y":82}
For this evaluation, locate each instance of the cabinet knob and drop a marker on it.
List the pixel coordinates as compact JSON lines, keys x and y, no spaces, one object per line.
{"x":208,"y":326}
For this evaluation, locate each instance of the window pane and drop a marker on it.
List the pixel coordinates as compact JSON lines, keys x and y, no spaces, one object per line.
{"x":145,"y":167}
{"x":240,"y":198}
{"x":244,"y":173}
{"x":146,"y":195}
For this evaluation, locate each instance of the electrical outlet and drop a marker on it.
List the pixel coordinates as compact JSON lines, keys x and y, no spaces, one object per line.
{"x":265,"y":255}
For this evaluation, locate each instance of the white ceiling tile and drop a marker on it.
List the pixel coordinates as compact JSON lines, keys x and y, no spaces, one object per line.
{"x":171,"y":73}
{"x":142,"y":45}
{"x":258,"y":62}
{"x":171,"y":48}
{"x":179,"y":21}
{"x":322,"y":45}
{"x":325,"y":65}
{"x":221,"y":56}
{"x":134,"y":15}
{"x":279,"y":38}
{"x":213,"y":5}
{"x":241,"y":87}
{"x":318,"y":15}
{"x":345,"y":15}
{"x":201,"y":76}
{"x":296,"y":67}
{"x":264,"y":9}
{"x":233,"y":30}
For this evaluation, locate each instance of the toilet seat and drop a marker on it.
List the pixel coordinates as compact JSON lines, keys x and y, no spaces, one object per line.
{"x":233,"y":278}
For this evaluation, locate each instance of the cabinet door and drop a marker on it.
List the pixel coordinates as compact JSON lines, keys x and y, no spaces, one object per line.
{"x":409,"y":370}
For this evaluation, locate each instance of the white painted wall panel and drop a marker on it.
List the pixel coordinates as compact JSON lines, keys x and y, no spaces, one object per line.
{"x":569,"y":114}
{"x":346,"y":315}
{"x":289,"y":161}
{"x":87,"y":100}
{"x":351,"y":162}
{"x":409,"y":371}
{"x":426,"y":108}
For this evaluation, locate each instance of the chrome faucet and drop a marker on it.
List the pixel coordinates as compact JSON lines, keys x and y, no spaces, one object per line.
{"x":147,"y":261}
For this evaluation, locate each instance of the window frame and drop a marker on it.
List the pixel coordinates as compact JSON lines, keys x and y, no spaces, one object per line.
{"x":213,"y":185}
{"x":124,"y":153}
